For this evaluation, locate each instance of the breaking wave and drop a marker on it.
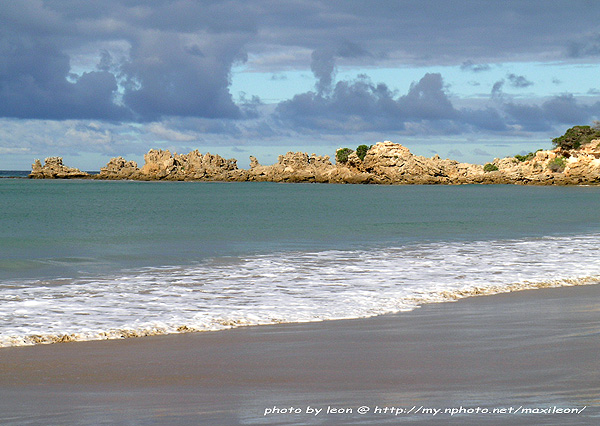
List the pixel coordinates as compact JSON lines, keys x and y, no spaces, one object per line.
{"x":287,"y":287}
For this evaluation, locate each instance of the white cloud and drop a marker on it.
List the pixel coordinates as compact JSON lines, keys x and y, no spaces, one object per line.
{"x":160,"y":130}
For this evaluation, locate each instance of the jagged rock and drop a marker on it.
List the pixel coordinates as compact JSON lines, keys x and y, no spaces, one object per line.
{"x":294,"y":167}
{"x":581,"y":166}
{"x":253,"y":162}
{"x":384,"y":163}
{"x":393,"y":163}
{"x":54,"y":168}
{"x":36,"y":168}
{"x":158,"y":165}
{"x":119,"y":168}
{"x":193,"y":166}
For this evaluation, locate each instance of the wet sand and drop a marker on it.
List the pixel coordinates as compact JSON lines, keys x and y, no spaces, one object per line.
{"x":532,"y":349}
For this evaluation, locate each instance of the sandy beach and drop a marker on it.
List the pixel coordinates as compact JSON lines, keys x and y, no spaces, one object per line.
{"x":533,"y":350}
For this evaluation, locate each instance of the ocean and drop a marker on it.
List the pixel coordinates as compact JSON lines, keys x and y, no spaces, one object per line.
{"x":14,"y":173}
{"x":88,"y":260}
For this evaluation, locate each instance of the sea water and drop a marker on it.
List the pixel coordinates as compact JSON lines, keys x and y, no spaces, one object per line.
{"x":84,"y":260}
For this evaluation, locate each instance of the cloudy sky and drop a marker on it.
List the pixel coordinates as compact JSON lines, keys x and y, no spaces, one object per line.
{"x":470,"y":80}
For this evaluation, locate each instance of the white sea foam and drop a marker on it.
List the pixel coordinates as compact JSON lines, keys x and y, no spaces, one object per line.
{"x":287,"y":287}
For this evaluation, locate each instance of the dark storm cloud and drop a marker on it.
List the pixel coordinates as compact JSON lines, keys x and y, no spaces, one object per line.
{"x":559,"y":110}
{"x":323,"y":67}
{"x":362,"y":105}
{"x":518,"y":81}
{"x":488,"y":118}
{"x":166,"y":76}
{"x":323,"y":62}
{"x":145,"y":60}
{"x":472,"y":66}
{"x":33,"y":83}
{"x":528,"y":117}
{"x":427,"y":100}
{"x":584,"y":47}
{"x":433,"y":32}
{"x":178,"y":59}
{"x":497,"y":89}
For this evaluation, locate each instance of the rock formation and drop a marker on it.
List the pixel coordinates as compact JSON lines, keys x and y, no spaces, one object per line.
{"x":294,"y":167}
{"x":119,"y":168}
{"x":53,"y":168}
{"x":392,"y":163}
{"x":162,"y":165}
{"x":384,"y":163}
{"x":193,"y":166}
{"x":557,"y":166}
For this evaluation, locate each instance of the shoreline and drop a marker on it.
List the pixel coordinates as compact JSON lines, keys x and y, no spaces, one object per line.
{"x":531,"y":349}
{"x":96,"y":177}
{"x":560,"y":181}
{"x":435,"y":297}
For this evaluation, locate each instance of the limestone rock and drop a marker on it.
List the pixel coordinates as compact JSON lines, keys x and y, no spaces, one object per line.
{"x":581,"y":166}
{"x":119,"y":168}
{"x":384,"y":163}
{"x":54,"y":168}
{"x":161,"y":164}
{"x":393,"y":163}
{"x":294,"y":167}
{"x":254,"y":162}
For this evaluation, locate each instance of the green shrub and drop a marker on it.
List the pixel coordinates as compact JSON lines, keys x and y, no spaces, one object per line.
{"x":341,"y":155}
{"x":526,"y":157}
{"x":522,"y":158}
{"x":489,"y":167}
{"x":361,"y":151}
{"x":557,"y":164}
{"x":576,"y":136}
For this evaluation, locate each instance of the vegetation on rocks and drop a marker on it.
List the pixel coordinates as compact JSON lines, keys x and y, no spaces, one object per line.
{"x":489,"y":167}
{"x":527,"y":157}
{"x":383,"y":163}
{"x":341,"y":155}
{"x":557,"y":164}
{"x":361,"y":151}
{"x":577,"y":136}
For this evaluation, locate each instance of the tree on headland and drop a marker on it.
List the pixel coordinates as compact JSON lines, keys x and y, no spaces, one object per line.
{"x":489,"y":167}
{"x":361,"y":151}
{"x":577,"y":136}
{"x":341,"y":155}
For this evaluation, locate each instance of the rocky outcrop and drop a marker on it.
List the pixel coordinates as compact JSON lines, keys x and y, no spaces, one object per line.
{"x":384,"y":163}
{"x":119,"y":168}
{"x":162,"y":165}
{"x":561,"y":167}
{"x":393,"y":163}
{"x":294,"y":167}
{"x":53,"y":168}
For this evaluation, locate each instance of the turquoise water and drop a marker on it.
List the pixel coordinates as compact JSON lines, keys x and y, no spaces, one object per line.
{"x":91,"y":257}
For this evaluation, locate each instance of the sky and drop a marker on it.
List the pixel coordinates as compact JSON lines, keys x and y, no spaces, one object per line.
{"x":464,"y":79}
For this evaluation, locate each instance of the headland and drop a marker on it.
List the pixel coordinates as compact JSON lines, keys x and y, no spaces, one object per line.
{"x":382,"y":163}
